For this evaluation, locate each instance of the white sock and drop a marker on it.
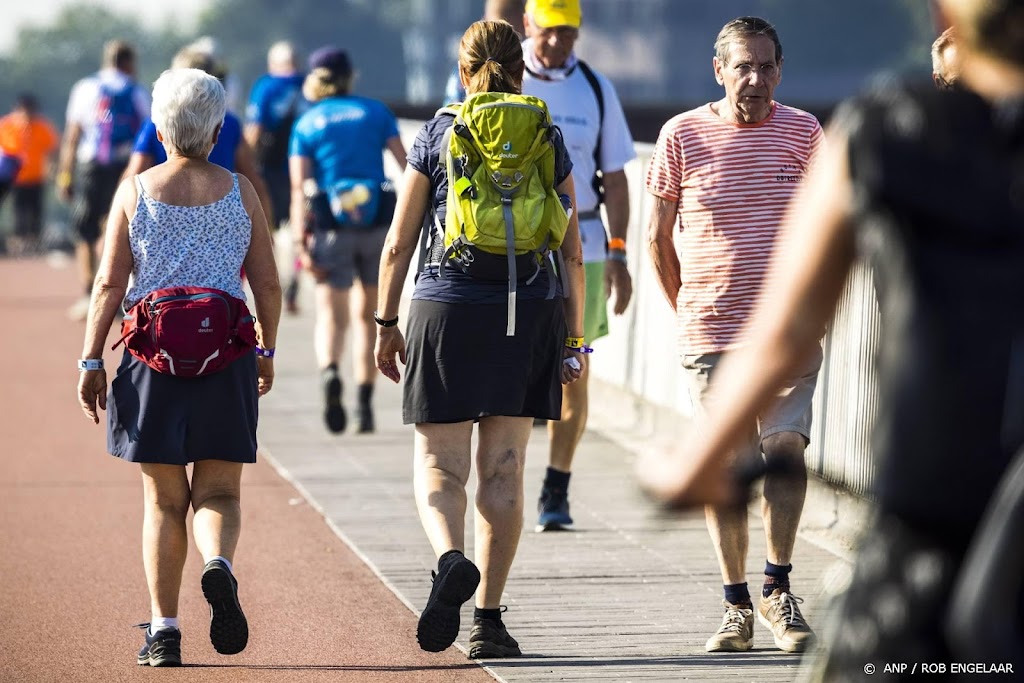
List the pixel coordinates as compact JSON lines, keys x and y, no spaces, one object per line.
{"x":158,"y":623}
{"x":225,"y":560}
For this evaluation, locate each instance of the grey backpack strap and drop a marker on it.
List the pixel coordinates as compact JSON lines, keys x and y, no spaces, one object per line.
{"x":510,"y":248}
{"x":442,"y":160}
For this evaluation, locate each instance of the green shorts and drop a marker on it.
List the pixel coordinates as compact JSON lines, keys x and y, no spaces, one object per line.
{"x":595,"y":311}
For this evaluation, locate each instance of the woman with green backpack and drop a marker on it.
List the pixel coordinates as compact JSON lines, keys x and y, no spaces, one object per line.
{"x":495,"y":325}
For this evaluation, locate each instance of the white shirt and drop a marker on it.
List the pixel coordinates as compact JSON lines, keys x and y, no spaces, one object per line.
{"x":84,"y":101}
{"x":574,"y":110}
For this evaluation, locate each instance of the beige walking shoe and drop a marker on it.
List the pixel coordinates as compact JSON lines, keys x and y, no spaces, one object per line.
{"x":780,"y":613}
{"x":736,"y":634}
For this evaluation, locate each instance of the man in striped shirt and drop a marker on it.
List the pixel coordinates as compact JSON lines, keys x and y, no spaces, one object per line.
{"x":721,"y":176}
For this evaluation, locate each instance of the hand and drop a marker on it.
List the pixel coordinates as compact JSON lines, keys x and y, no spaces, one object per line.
{"x":390,"y":343}
{"x":92,"y":390}
{"x":617,"y":279}
{"x":265,"y":379}
{"x":569,"y":373}
{"x":680,"y":480}
{"x":319,"y":274}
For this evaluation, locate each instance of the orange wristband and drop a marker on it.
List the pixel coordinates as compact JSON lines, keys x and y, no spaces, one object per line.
{"x":617,"y":244}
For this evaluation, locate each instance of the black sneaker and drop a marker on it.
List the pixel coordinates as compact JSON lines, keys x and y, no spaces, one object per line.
{"x":489,"y":640}
{"x":553,"y":507}
{"x":438,"y":626}
{"x":334,"y":412}
{"x":162,"y":648}
{"x":229,"y":631}
{"x":366,"y":421}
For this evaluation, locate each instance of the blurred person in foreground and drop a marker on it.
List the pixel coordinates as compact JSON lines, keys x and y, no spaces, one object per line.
{"x":510,"y":11}
{"x":463,"y":367}
{"x":28,"y":135}
{"x":336,"y":152}
{"x":275,"y":103}
{"x":105,"y":113}
{"x":722,"y":175}
{"x":945,"y":60}
{"x":231,"y":151}
{"x":585,"y":107}
{"x":950,"y":281}
{"x":185,"y":222}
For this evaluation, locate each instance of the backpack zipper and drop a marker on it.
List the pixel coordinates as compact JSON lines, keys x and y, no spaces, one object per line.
{"x":521,"y":105}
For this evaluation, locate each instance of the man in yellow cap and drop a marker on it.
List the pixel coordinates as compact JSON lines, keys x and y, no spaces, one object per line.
{"x":584,"y":104}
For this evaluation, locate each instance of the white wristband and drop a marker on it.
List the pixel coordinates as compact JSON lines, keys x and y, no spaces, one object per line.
{"x":90,"y":364}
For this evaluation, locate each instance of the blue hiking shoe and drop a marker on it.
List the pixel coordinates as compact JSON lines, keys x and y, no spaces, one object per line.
{"x":162,"y":648}
{"x":553,"y":507}
{"x":229,"y":631}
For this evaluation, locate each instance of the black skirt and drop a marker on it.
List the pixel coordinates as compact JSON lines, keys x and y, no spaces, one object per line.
{"x":168,"y":420}
{"x":462,"y":366}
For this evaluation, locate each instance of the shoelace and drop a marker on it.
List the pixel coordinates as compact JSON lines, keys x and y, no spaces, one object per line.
{"x":734,"y":619}
{"x":787,"y":604}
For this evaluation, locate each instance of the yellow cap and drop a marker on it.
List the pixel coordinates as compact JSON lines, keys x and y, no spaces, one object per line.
{"x":551,"y":13}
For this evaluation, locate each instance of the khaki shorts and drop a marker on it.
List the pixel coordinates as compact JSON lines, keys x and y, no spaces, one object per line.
{"x":789,"y":411}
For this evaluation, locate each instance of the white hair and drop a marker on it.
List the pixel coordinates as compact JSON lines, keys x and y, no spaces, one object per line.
{"x":281,"y":57}
{"x":188,"y":106}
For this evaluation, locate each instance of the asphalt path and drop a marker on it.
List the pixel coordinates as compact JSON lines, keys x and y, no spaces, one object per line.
{"x":71,"y":579}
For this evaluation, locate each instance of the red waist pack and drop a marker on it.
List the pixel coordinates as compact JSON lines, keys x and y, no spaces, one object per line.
{"x":188,"y":331}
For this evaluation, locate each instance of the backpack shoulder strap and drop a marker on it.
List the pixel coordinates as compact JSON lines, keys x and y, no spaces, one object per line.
{"x":595,"y":85}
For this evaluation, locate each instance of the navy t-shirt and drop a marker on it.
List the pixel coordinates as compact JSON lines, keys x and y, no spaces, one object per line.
{"x":457,"y":287}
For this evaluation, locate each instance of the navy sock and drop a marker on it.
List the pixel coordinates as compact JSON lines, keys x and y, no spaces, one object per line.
{"x":492,"y":614}
{"x":365,"y":394}
{"x":776,"y":576}
{"x":737,"y":594}
{"x":557,"y":480}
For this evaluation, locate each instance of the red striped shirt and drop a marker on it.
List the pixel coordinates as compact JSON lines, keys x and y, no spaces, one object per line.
{"x":733,"y":183}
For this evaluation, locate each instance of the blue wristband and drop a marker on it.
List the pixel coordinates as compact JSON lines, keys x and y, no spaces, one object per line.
{"x":581,"y":349}
{"x":266,"y":353}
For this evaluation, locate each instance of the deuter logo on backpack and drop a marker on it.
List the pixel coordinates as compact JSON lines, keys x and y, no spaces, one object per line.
{"x":500,"y":201}
{"x":118,"y":122}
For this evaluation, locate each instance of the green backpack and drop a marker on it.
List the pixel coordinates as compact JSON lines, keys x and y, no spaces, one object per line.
{"x":500,"y":162}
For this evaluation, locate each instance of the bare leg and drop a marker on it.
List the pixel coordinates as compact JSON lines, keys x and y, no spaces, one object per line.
{"x":331,"y":324}
{"x":364,"y":332}
{"x":566,"y":433}
{"x":501,"y":456}
{"x":164,"y":534}
{"x":216,"y":496}
{"x":784,"y":495}
{"x":440,"y":473}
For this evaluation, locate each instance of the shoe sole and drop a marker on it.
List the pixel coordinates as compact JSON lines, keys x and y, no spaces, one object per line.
{"x":334,"y":415}
{"x":438,"y":626}
{"x":552,"y":526}
{"x":161,"y":661}
{"x":794,"y":648}
{"x":492,"y":651}
{"x":730,"y":647}
{"x":229,"y":631}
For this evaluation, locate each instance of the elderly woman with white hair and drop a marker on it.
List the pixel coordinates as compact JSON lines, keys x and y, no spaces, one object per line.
{"x":185,"y":224}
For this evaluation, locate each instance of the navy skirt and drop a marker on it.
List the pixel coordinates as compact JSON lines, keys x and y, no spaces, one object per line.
{"x":168,"y":420}
{"x":461,"y":366}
